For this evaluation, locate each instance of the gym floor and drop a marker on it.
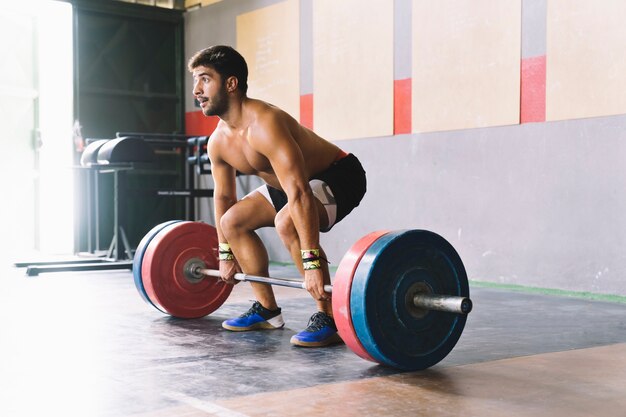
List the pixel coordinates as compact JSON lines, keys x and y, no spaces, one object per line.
{"x":86,"y":344}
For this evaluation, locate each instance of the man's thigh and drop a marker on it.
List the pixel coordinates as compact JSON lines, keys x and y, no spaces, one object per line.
{"x":322,"y":214}
{"x":253,"y":211}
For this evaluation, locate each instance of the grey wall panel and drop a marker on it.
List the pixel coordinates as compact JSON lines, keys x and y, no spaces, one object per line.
{"x":533,"y":28}
{"x":536,"y":204}
{"x":402,"y":39}
{"x":306,"y":50}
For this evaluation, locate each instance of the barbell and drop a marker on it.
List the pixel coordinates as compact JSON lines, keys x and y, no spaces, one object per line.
{"x":399,"y":298}
{"x":195,"y":270}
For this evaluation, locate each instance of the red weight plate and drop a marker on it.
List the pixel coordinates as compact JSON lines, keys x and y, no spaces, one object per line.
{"x":342,"y":284}
{"x":162,"y":271}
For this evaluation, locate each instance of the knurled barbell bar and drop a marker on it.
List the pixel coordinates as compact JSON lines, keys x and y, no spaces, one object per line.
{"x":400,"y":298}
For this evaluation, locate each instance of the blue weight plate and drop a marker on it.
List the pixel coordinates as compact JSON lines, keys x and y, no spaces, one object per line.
{"x":138,"y":259}
{"x":390,"y":328}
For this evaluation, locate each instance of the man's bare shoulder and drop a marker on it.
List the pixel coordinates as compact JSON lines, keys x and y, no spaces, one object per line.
{"x":219,"y":131}
{"x":217,"y":138}
{"x":264,"y":112}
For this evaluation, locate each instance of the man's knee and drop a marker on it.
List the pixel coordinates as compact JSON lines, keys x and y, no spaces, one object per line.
{"x":284,"y":226}
{"x":231,"y":223}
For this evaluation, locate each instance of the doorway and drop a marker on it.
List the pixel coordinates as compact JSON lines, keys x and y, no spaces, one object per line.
{"x":36,"y":114}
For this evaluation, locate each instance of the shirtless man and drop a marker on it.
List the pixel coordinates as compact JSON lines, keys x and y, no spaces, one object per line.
{"x":310,"y":185}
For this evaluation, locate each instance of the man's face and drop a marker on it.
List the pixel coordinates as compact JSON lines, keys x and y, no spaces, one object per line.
{"x":210,"y":91}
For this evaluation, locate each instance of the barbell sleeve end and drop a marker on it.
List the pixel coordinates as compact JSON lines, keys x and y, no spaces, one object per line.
{"x":466,"y":306}
{"x":450,"y":304}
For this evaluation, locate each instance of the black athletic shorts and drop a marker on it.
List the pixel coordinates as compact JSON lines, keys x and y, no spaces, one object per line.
{"x":340,"y":188}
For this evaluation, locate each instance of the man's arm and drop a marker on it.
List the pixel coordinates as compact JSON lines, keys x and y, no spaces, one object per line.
{"x":272,"y":138}
{"x":224,"y":197}
{"x":224,"y":188}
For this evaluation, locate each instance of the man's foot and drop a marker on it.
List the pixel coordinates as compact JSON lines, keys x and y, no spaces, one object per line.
{"x":257,"y":318}
{"x":321,"y":331}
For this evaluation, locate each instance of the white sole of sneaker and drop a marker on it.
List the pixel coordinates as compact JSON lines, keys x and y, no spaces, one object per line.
{"x":333,"y":340}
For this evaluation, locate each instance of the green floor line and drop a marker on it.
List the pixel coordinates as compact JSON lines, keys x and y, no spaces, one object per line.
{"x":520,"y":288}
{"x":331,"y":268}
{"x":550,"y":291}
{"x":277,"y":263}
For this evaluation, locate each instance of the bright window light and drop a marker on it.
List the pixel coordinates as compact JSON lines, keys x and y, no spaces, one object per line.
{"x":55,"y":123}
{"x":36,"y":115}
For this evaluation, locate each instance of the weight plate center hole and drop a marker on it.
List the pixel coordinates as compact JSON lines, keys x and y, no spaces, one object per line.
{"x":415,"y":289}
{"x":192,"y":270}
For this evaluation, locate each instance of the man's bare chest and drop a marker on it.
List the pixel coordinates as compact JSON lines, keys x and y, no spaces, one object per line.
{"x":241,"y":156}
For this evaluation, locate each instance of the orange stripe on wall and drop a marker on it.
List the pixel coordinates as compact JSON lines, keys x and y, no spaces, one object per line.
{"x":401,"y":106}
{"x":306,"y":110}
{"x":197,"y":123}
{"x":533,"y":90}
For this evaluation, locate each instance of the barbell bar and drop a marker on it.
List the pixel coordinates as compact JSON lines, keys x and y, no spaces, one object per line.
{"x":425,"y":301}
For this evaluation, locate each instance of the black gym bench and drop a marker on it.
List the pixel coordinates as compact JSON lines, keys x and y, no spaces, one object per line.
{"x":128,"y":151}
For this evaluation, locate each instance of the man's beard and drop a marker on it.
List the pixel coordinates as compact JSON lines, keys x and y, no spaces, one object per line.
{"x":218,"y":104}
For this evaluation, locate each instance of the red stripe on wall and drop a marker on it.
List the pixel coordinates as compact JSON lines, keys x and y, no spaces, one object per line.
{"x":306,"y":110}
{"x":533,"y":90}
{"x":402,"y":106}
{"x":197,"y":123}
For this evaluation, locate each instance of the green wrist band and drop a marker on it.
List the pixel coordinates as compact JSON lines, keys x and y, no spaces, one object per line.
{"x":225,"y":253}
{"x":309,"y":265}
{"x":310,"y":259}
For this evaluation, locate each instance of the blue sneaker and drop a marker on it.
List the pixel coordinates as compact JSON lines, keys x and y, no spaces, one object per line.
{"x":257,"y":318}
{"x":321,"y":331}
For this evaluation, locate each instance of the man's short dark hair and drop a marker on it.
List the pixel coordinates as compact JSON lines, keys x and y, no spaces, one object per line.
{"x":225,"y":60}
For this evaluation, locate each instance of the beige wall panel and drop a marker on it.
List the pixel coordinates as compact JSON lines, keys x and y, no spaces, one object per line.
{"x":269,"y":40}
{"x":466,"y":64}
{"x":353,"y":68}
{"x":586,"y":58}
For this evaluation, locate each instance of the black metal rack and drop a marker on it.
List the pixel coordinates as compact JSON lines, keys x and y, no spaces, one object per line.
{"x":120,"y":254}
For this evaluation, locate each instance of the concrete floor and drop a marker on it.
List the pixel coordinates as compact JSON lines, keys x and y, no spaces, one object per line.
{"x":85,"y":344}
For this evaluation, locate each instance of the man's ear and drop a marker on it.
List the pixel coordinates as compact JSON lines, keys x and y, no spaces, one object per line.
{"x":231,"y":84}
